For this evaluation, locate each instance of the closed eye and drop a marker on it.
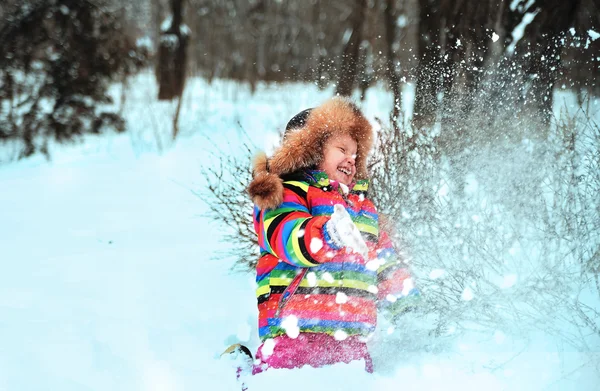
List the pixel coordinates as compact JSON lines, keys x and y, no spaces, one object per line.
{"x":343,"y":150}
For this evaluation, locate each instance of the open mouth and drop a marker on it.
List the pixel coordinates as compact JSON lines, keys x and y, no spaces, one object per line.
{"x":345,"y":171}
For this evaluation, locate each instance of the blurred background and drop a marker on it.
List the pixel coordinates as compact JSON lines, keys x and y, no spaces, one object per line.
{"x":127,"y":131}
{"x":60,"y":55}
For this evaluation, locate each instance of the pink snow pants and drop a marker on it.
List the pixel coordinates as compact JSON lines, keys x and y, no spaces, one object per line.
{"x":312,"y":349}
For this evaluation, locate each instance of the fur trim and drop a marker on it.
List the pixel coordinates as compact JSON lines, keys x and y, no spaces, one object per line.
{"x":266,"y":189}
{"x":303,"y":148}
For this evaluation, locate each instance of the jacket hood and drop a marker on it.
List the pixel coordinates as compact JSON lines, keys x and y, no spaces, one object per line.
{"x":302,"y":148}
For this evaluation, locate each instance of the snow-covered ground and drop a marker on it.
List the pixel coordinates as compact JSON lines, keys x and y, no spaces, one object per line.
{"x":107,"y":280}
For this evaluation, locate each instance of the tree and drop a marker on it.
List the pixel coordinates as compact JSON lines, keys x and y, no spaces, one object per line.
{"x":172,"y":59}
{"x":348,"y":68}
{"x":172,"y":54}
{"x":541,"y":48}
{"x":389,"y":13}
{"x":58,"y":60}
{"x":430,"y":60}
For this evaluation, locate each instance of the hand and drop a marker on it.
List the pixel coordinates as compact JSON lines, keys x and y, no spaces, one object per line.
{"x":343,"y":232}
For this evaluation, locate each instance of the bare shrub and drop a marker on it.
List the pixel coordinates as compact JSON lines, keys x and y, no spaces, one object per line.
{"x":228,"y":202}
{"x":508,"y":242}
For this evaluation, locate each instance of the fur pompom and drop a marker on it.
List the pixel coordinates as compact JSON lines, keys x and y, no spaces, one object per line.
{"x":266,"y":189}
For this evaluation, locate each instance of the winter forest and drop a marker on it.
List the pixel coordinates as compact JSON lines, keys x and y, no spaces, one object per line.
{"x":127,"y":131}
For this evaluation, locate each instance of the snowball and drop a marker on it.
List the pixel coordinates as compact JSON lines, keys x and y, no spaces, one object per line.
{"x":312,"y":279}
{"x":467,"y":294}
{"x":391,"y":298}
{"x":315,"y":245}
{"x":495,"y":37}
{"x":290,"y":325}
{"x":268,"y":347}
{"x":340,"y":335}
{"x":341,"y":298}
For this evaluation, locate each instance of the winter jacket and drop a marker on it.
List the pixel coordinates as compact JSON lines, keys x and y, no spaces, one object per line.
{"x":305,"y":284}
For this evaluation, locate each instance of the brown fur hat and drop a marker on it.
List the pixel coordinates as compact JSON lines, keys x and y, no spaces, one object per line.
{"x":303,"y":148}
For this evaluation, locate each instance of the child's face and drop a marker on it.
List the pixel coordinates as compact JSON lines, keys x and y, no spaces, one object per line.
{"x":339,"y":155}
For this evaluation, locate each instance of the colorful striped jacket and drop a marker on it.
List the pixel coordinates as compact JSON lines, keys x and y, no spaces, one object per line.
{"x":303,"y":283}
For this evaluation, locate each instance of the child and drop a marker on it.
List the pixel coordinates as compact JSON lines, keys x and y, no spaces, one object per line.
{"x":325,"y":265}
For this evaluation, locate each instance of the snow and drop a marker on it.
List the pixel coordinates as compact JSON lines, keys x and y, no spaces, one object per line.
{"x":340,"y":335}
{"x":344,"y":188}
{"x":408,"y":286}
{"x":593,"y":35}
{"x":145,"y":42}
{"x":315,"y":245}
{"x":519,"y":31}
{"x":328,"y":277}
{"x":509,"y":281}
{"x":373,"y":289}
{"x":166,"y":23}
{"x":290,"y":325}
{"x":341,"y":298}
{"x":436,"y":273}
{"x":109,"y":280}
{"x":311,"y":277}
{"x":467,"y":294}
{"x":268,"y":347}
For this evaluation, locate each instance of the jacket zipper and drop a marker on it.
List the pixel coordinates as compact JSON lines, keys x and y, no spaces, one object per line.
{"x":290,"y":290}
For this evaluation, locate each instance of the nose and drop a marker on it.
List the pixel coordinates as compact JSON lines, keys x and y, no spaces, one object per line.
{"x":351,"y":158}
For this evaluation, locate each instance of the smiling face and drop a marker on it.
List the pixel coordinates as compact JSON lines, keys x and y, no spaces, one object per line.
{"x":339,"y":158}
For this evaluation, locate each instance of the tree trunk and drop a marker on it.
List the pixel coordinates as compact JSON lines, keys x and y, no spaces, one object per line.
{"x":428,"y":75}
{"x":390,"y":37}
{"x":349,"y":66}
{"x":172,"y":55}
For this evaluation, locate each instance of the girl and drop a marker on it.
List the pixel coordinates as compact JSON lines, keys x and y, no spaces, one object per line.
{"x":325,"y":266}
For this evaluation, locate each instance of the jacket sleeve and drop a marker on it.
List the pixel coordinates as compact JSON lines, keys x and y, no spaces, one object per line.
{"x":397,"y":292}
{"x":290,"y":232}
